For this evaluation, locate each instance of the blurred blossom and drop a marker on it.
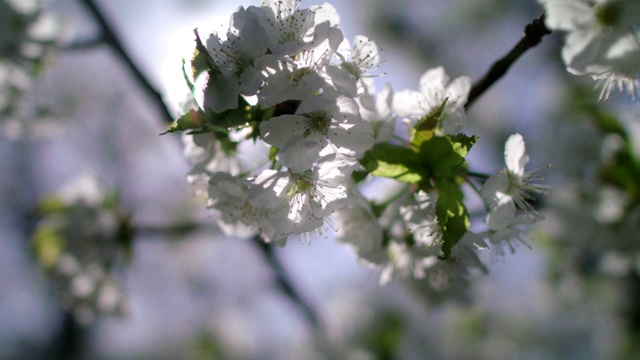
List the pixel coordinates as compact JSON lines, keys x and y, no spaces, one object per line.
{"x":81,"y":240}
{"x":27,"y":34}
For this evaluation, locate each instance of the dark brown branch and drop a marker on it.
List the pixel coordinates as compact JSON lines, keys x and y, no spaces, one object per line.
{"x":110,"y":38}
{"x":533,"y":34}
{"x":84,"y":44}
{"x":284,"y":283}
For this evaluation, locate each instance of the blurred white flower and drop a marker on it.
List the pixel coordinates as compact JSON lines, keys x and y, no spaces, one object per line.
{"x":601,"y":40}
{"x":434,"y":89}
{"x":513,"y":182}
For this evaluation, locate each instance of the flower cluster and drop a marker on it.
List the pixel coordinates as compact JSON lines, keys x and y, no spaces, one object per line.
{"x":80,"y":240}
{"x":26,"y":36}
{"x":603,"y":40}
{"x":307,"y":89}
{"x":286,"y":127}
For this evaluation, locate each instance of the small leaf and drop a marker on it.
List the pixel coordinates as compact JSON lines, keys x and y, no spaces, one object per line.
{"x":443,"y":155}
{"x":201,"y":61}
{"x":426,"y":126}
{"x":453,"y":217}
{"x":231,"y":118}
{"x":273,"y":151}
{"x":51,"y":204}
{"x":395,"y":162}
{"x":194,"y":119}
{"x":48,"y":244}
{"x":359,"y":176}
{"x":206,"y":121}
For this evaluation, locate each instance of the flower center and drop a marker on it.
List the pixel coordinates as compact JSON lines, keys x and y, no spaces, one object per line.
{"x":302,"y":183}
{"x":609,"y":14}
{"x":317,"y":121}
{"x":352,"y":68}
{"x":298,"y":74}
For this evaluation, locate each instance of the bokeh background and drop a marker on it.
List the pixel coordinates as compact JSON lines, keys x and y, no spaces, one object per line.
{"x":193,"y":293}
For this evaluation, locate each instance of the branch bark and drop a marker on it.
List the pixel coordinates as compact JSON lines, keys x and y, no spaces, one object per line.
{"x":110,"y":38}
{"x":533,"y":34}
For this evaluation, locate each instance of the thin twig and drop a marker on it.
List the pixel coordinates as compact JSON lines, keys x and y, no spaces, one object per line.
{"x":84,"y":44}
{"x":110,"y":38}
{"x":284,"y":283}
{"x":533,"y":34}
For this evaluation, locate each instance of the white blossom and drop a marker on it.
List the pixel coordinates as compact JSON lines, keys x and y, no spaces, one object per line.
{"x":235,"y":61}
{"x":359,"y":59}
{"x":359,"y":228}
{"x":513,"y":182}
{"x":434,"y":89}
{"x":601,"y":40}
{"x":206,"y":155}
{"x":291,"y":29}
{"x":299,"y":202}
{"x":375,"y":108}
{"x":503,"y":222}
{"x":420,"y":217}
{"x":317,"y":122}
{"x":230,"y":196}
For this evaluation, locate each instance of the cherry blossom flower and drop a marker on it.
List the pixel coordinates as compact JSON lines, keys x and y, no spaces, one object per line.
{"x":235,"y":59}
{"x":513,"y":182}
{"x":291,"y":29}
{"x":375,"y":108}
{"x":434,"y":89}
{"x":601,"y":40}
{"x":299,"y":202}
{"x":359,"y":228}
{"x":317,"y":121}
{"x":503,"y":222}
{"x":359,"y":59}
{"x":230,"y":196}
{"x":420,"y":218}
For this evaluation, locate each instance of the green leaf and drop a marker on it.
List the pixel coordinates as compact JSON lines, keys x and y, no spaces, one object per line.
{"x":194,"y":119}
{"x":358,"y":176}
{"x":201,"y":61}
{"x":443,"y":155}
{"x":395,"y":162}
{"x":51,"y":204}
{"x":206,"y":121}
{"x":425,"y":128}
{"x":48,"y":244}
{"x":453,"y":217}
{"x":231,"y":118}
{"x":273,"y":151}
{"x":192,"y":87}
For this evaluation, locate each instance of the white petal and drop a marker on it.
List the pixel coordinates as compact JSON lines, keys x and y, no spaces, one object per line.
{"x":515,"y":155}
{"x":356,"y":138}
{"x":300,"y":153}
{"x":495,"y":187}
{"x":221,"y":92}
{"x":433,"y":84}
{"x":348,"y":110}
{"x":458,"y":91}
{"x":409,"y":103}
{"x":334,"y":169}
{"x":501,"y":214}
{"x":280,"y":130}
{"x":453,"y":123}
{"x":568,"y":14}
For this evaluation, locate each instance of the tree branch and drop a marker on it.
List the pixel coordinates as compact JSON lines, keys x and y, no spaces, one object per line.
{"x":533,"y":34}
{"x":284,"y":283}
{"x":110,"y":38}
